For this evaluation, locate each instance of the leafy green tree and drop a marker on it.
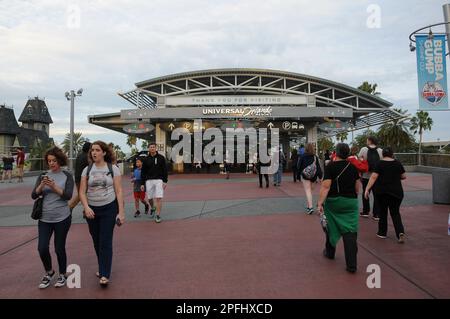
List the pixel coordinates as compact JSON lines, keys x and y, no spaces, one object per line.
{"x":342,"y":136}
{"x":37,"y":153}
{"x":131,"y":140}
{"x":369,"y":88}
{"x":78,"y":142}
{"x":145,"y":144}
{"x":118,"y":151}
{"x":323,"y":144}
{"x":396,"y":134}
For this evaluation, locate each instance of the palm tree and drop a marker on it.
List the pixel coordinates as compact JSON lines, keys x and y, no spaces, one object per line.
{"x":118,"y":151}
{"x":131,"y":140}
{"x":396,"y":134}
{"x":323,"y":144}
{"x":342,"y":136}
{"x":145,"y":144}
{"x":369,"y":88}
{"x":78,"y":142}
{"x":37,"y":153}
{"x":420,"y":123}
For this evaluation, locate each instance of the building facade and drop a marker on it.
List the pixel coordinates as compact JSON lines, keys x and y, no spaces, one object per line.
{"x":302,"y":107}
{"x":34,"y":128}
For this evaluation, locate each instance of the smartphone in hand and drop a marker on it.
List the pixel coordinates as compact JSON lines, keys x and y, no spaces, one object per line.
{"x":118,"y":222}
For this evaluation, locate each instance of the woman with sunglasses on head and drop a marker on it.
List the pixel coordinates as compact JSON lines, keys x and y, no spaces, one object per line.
{"x":101,"y":196}
{"x":56,"y":187}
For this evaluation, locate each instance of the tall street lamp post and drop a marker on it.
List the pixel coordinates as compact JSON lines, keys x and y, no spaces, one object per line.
{"x":70,"y":96}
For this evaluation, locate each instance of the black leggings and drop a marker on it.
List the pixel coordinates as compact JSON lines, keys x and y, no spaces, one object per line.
{"x":266,"y":177}
{"x":388,"y":202}
{"x":350,"y":249}
{"x":46,"y":231}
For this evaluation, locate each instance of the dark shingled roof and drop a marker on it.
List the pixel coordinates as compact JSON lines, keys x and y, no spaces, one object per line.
{"x":8,"y":122}
{"x":27,"y":138}
{"x":35,"y":111}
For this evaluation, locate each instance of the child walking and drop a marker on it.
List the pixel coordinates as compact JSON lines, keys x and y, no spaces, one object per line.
{"x":139,"y":196}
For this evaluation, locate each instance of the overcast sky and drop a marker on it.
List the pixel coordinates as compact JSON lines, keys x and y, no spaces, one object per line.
{"x":44,"y":51}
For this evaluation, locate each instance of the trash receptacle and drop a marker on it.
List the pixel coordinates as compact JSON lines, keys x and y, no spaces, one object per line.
{"x":441,"y":186}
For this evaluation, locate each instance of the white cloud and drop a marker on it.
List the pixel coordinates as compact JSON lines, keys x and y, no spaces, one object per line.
{"x":121,"y":42}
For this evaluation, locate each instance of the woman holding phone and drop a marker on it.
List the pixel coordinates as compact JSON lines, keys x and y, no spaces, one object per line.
{"x":101,"y":196}
{"x":56,"y":186}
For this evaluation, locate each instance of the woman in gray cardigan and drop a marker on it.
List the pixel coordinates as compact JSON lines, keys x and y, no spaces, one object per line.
{"x":56,"y":186}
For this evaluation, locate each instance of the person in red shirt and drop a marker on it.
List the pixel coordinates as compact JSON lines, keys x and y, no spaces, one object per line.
{"x":20,"y":161}
{"x":360,"y":164}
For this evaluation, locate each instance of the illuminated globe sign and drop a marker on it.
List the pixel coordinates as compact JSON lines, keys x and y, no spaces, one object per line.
{"x":334,"y":126}
{"x":138,"y":128}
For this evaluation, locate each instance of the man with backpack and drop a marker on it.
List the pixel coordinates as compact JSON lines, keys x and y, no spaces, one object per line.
{"x":372,"y":154}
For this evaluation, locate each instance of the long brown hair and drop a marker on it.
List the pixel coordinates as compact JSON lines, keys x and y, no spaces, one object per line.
{"x":109,"y":157}
{"x":310,"y":149}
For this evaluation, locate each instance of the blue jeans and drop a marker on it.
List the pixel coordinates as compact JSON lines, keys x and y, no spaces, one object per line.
{"x":101,"y":229}
{"x":277,"y":175}
{"x":46,"y":231}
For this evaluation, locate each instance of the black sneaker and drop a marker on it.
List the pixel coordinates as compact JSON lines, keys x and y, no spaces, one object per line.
{"x":376,"y":218}
{"x":365,"y":215}
{"x":152,"y":211}
{"x":157,"y":219}
{"x":147,"y":208}
{"x":137,"y":213}
{"x":61,"y":282}
{"x":45,"y":282}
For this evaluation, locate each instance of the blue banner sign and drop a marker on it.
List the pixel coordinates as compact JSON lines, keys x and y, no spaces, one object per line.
{"x":432,"y":73}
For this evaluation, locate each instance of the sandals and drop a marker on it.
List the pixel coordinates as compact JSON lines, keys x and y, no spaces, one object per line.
{"x":104,"y":281}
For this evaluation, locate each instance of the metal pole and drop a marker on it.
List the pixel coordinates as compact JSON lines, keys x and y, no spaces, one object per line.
{"x":72,"y":102}
{"x":446,"y":8}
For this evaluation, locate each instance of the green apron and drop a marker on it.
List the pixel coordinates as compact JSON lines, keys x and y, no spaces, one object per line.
{"x":342,"y":217}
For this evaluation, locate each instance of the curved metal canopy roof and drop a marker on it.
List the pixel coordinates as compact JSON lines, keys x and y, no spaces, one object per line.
{"x":368,"y":109}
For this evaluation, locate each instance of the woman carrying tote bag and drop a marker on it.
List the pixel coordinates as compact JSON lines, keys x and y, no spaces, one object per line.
{"x":56,"y":187}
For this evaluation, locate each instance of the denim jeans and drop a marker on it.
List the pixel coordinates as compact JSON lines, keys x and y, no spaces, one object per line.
{"x":101,"y":229}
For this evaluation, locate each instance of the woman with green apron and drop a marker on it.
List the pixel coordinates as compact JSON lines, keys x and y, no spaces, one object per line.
{"x":338,"y":206}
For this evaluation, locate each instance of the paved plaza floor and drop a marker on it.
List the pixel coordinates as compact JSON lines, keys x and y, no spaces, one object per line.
{"x":230,"y":239}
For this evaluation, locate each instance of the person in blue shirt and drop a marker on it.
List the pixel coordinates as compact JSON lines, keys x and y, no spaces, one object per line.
{"x":139,"y":195}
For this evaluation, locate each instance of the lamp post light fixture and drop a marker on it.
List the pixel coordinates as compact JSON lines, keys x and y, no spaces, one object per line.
{"x":70,"y":96}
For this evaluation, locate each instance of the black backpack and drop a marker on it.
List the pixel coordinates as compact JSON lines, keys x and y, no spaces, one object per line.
{"x":373,"y":157}
{"x":110,"y":168}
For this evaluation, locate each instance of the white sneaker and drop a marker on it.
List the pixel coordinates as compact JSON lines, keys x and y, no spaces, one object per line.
{"x":46,"y":280}
{"x":61,"y":282}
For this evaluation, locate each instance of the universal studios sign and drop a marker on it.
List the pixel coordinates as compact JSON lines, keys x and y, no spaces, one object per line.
{"x":238,"y":111}
{"x":432,"y":73}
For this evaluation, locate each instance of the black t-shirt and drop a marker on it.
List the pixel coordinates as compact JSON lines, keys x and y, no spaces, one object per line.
{"x":389,"y":178}
{"x":347,"y":179}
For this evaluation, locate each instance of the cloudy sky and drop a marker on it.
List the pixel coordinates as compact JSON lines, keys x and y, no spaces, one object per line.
{"x":105,"y":46}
